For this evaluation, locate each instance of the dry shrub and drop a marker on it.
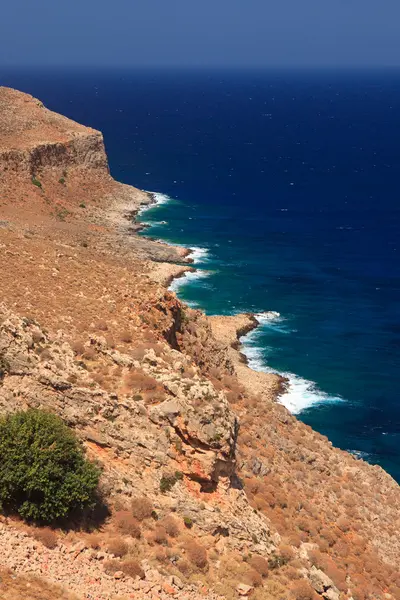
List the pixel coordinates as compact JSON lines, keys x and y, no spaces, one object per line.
{"x":94,"y":541}
{"x":286,"y":553}
{"x":118,"y":547}
{"x":45,"y":354}
{"x":302,"y":590}
{"x":252,"y":577}
{"x":37,"y":336}
{"x":316,"y":558}
{"x":78,"y":348}
{"x":292,"y":573}
{"x":197,"y":554}
{"x":171,"y":526}
{"x":141,"y":508}
{"x":343,"y":523}
{"x":138,"y":353}
{"x":160,"y":535}
{"x":89,"y":354}
{"x":101,"y":325}
{"x":126,"y":337}
{"x":127,"y":523}
{"x":185,"y":567}
{"x":329,"y":536}
{"x":259,"y":564}
{"x":338,"y":577}
{"x":160,"y":554}
{"x":132,"y":568}
{"x":111,"y":566}
{"x":46,"y":536}
{"x":139,"y":380}
{"x":110,"y":341}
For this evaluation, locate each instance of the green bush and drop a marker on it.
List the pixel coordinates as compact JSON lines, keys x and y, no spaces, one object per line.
{"x":44,"y":475}
{"x":36,"y":182}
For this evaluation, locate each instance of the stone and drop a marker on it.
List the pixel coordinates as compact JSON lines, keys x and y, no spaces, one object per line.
{"x":323,"y":584}
{"x":119,"y":575}
{"x":244,"y":590}
{"x":168,"y":589}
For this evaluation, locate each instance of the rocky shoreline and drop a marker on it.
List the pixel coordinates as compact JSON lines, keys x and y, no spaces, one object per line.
{"x":240,"y":497}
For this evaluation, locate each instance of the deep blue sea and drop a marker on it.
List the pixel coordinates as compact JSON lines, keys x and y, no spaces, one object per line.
{"x":289,"y":184}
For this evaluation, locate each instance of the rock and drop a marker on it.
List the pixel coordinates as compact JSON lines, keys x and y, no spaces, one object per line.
{"x":177,"y":582}
{"x":119,"y":575}
{"x":168,"y":589}
{"x":244,"y":590}
{"x":323,"y":584}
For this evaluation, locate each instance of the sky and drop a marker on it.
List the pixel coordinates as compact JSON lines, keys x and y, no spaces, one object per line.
{"x":230,"y":33}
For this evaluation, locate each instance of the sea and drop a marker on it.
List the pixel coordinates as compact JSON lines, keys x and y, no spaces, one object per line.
{"x":287,"y":186}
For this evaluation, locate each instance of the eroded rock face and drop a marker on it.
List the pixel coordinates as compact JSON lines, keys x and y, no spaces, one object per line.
{"x":39,"y":373}
{"x":27,"y":145}
{"x":323,"y":585}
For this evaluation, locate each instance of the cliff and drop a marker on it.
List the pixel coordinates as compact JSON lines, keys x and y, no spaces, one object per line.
{"x":211,"y":488}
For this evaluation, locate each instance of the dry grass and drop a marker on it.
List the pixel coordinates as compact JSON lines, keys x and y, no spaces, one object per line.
{"x":13,"y":587}
{"x":171,"y":526}
{"x":197,"y":554}
{"x":132,"y":568}
{"x":127,"y":524}
{"x":302,"y":590}
{"x":118,"y":547}
{"x":141,"y":508}
{"x":260,"y":565}
{"x":46,"y":536}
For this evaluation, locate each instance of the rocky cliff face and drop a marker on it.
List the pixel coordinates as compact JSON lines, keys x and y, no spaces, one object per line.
{"x":213,"y":489}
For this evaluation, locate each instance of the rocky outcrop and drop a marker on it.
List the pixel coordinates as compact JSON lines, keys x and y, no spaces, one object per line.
{"x":27,"y":146}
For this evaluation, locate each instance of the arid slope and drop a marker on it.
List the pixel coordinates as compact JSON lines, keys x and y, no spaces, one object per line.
{"x":212,"y":488}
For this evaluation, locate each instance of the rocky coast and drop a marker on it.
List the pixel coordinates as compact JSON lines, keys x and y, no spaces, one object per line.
{"x":212,"y":489}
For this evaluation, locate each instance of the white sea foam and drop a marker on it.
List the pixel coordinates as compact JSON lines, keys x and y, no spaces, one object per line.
{"x":301,"y":393}
{"x":360,"y":454}
{"x":188,"y":277}
{"x":199,"y":255}
{"x":158,"y":200}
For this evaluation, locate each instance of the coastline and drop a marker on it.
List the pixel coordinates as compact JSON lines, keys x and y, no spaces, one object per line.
{"x":159,"y":394}
{"x":229,"y":330}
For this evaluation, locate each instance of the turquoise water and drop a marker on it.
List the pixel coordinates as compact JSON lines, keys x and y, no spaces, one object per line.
{"x":289,"y":183}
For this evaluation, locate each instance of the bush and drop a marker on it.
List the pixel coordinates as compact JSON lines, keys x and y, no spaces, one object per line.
{"x":36,"y":182}
{"x":132,"y":568}
{"x":167,"y":482}
{"x":46,"y":536}
{"x":127,"y":524}
{"x":44,"y":475}
{"x":259,"y":564}
{"x":302,"y":590}
{"x":197,"y":554}
{"x":118,"y":547}
{"x":141,"y":508}
{"x":171,"y":526}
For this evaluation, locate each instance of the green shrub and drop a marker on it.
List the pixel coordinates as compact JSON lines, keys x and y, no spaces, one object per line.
{"x":36,"y":182}
{"x":167,"y":482}
{"x":44,"y":474}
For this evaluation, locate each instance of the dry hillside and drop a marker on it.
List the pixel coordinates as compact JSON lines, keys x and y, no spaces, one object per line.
{"x":210,"y":488}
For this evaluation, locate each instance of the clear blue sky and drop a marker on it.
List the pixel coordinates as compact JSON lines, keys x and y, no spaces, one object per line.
{"x":200,"y":33}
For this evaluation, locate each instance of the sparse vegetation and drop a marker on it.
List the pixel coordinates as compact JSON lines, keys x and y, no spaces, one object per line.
{"x":46,"y":536}
{"x":118,"y":547}
{"x":167,"y":482}
{"x":127,"y":524}
{"x":197,"y":554}
{"x":44,"y":475}
{"x":141,"y":508}
{"x":36,"y":182}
